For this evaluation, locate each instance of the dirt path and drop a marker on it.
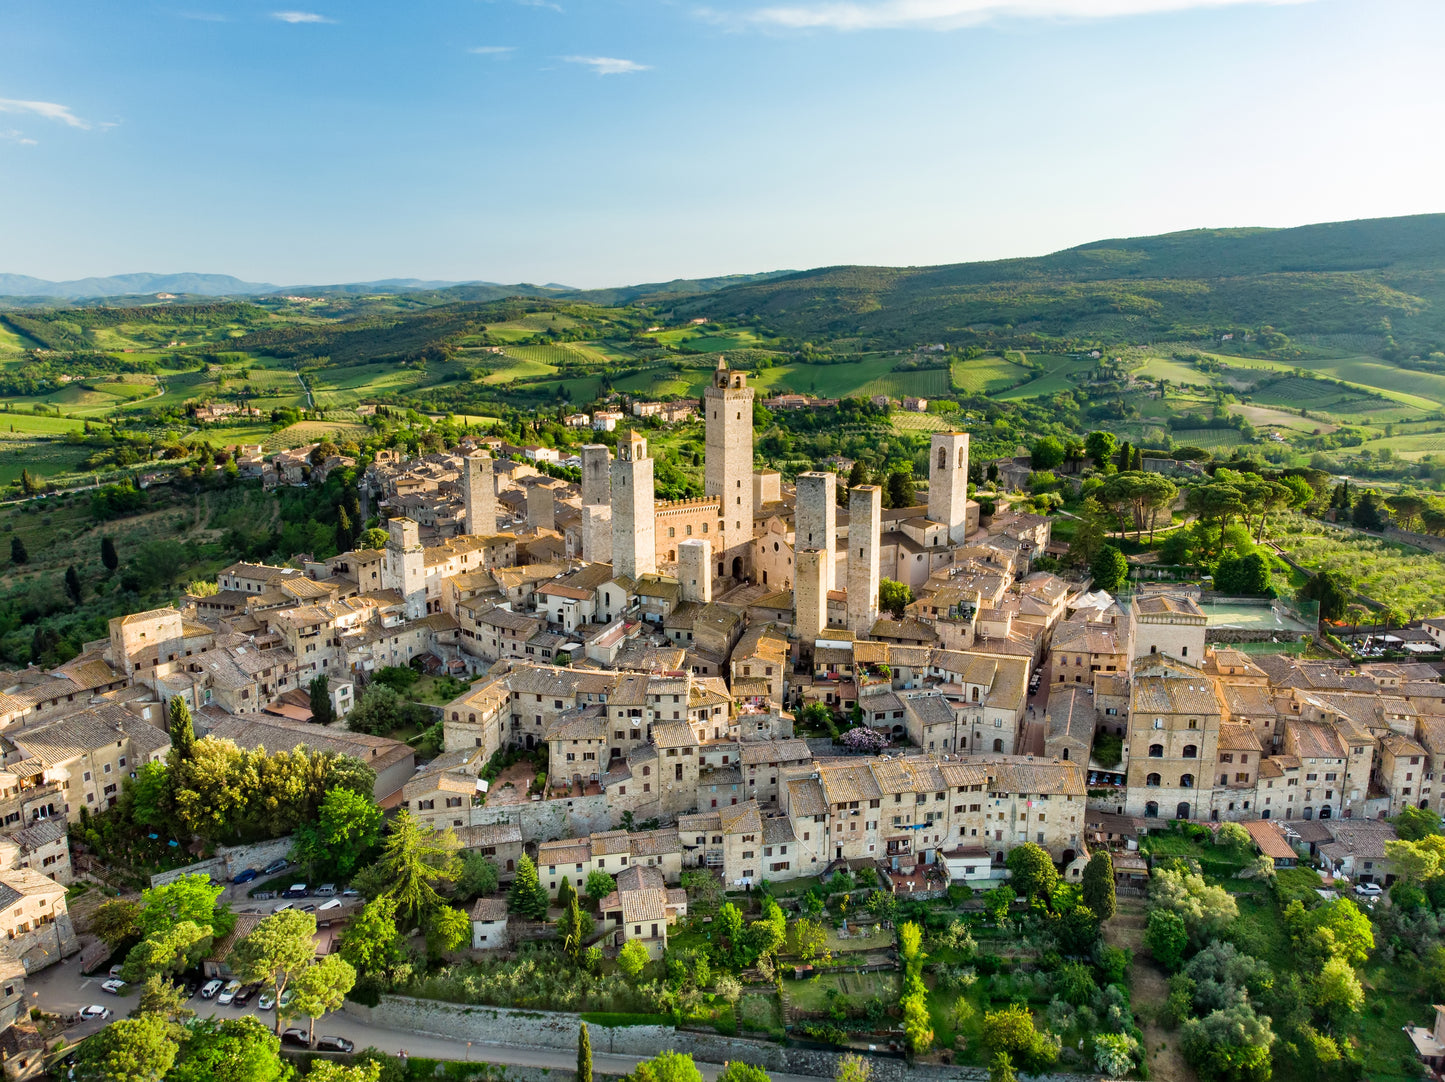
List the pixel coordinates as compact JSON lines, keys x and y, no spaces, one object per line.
{"x":1149,"y":988}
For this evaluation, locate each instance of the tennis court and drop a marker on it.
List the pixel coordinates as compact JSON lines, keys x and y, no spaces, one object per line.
{"x":1261,"y":615}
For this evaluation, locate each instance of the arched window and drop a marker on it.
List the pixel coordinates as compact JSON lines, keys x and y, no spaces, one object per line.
{"x":942,"y":458}
{"x":998,"y":745}
{"x":1190,"y":751}
{"x":975,"y":694}
{"x":1151,"y":810}
{"x":1066,"y":755}
{"x":1156,"y":751}
{"x":1182,"y":810}
{"x":1152,"y":781}
{"x":1186,"y":781}
{"x":962,"y":458}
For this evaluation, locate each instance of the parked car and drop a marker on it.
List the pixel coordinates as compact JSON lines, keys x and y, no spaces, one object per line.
{"x":246,"y":994}
{"x":351,"y":892}
{"x":334,"y":903}
{"x":296,"y":1038}
{"x":228,"y":993}
{"x":266,"y":1002}
{"x":189,"y":987}
{"x":245,"y":877}
{"x":334,"y":1044}
{"x":295,"y":890}
{"x":286,"y":998}
{"x":326,"y":890}
{"x":283,"y":907}
{"x":309,"y":907}
{"x":115,"y":971}
{"x":113,"y":986}
{"x":209,"y":990}
{"x":94,"y":1011}
{"x":275,"y":866}
{"x":1369,"y":890}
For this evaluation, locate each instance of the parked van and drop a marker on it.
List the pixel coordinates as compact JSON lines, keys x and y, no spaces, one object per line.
{"x":326,"y":890}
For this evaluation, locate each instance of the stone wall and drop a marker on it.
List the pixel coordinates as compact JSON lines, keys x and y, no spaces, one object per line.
{"x":545,"y":1029}
{"x":230,"y":861}
{"x":549,"y":820}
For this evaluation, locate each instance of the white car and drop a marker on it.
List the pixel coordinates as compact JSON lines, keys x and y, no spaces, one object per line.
{"x":211,"y":988}
{"x":1369,"y":890}
{"x":114,"y":987}
{"x":228,"y":993}
{"x":94,"y":1011}
{"x":266,"y":1002}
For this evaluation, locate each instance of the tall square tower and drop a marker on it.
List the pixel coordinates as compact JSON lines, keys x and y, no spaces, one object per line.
{"x":816,"y":519}
{"x":596,"y":486}
{"x":728,"y":468}
{"x":948,"y":483}
{"x":634,"y":529}
{"x":865,"y":525}
{"x":479,"y":495}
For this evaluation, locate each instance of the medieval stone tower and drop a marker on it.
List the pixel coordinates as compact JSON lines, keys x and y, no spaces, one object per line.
{"x":865,"y":524}
{"x":694,"y":570}
{"x":948,"y":483}
{"x":810,"y":596}
{"x":596,"y":485}
{"x":405,"y":568}
{"x":479,"y":495}
{"x":816,"y":523}
{"x":634,"y":529}
{"x":728,"y":471}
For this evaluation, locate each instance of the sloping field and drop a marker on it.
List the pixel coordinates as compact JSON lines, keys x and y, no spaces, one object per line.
{"x":1059,"y":375}
{"x":985,"y":375}
{"x":1208,"y":438}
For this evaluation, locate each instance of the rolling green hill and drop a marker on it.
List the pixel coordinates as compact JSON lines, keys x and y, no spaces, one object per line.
{"x":1379,"y":276}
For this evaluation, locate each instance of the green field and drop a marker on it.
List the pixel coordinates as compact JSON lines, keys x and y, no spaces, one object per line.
{"x":37,"y":424}
{"x":48,"y":460}
{"x":985,"y":375}
{"x":920,"y":422}
{"x":1208,"y":438}
{"x":1059,"y":374}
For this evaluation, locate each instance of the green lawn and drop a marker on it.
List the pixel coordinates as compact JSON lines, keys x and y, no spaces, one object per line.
{"x":986,"y":375}
{"x":1060,"y":374}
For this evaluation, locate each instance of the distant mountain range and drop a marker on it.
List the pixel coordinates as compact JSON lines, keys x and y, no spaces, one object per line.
{"x":196,"y":285}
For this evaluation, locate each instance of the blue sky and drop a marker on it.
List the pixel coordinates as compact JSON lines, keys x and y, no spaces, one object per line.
{"x":599,"y":142}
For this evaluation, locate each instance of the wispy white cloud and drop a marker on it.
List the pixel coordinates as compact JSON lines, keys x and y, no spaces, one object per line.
{"x":15,"y":135}
{"x":540,"y":4}
{"x":300,"y":17}
{"x":608,"y":65}
{"x":492,"y":50}
{"x":46,"y":109}
{"x":949,"y":14}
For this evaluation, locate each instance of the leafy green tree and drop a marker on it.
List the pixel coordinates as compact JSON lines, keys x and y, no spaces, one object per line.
{"x":1100,"y":446}
{"x":139,"y":1049}
{"x":901,"y":491}
{"x":447,"y":928}
{"x":667,"y":1066}
{"x":1229,"y":1045}
{"x":1001,"y":1069}
{"x":1166,"y":938}
{"x":894,"y":597}
{"x":599,"y":885}
{"x":1207,"y":910}
{"x":236,"y":1050}
{"x":163,"y":997}
{"x":1098,"y":885}
{"x":415,"y":860}
{"x":527,"y":897}
{"x":853,"y":1069}
{"x":108,"y":555}
{"x":346,"y":830}
{"x":319,"y":692}
{"x":321,"y":988}
{"x":741,"y":1071}
{"x":565,"y":894}
{"x":807,"y":939}
{"x":632,"y":959}
{"x":729,"y":925}
{"x":1033,"y":873}
{"x":371,"y":942}
{"x":1412,"y":824}
{"x":1332,"y":592}
{"x":1011,"y":1030}
{"x":373,"y":539}
{"x":584,"y":1054}
{"x":325,"y":1070}
{"x":166,"y":951}
{"x":116,"y":921}
{"x":1109,"y":568}
{"x":478,"y":876}
{"x":1047,"y":453}
{"x":182,"y":729}
{"x":279,"y":947}
{"x":1115,"y":1054}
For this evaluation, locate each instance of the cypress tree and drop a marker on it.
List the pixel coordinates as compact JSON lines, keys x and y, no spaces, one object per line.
{"x":565,"y":893}
{"x":18,"y":553}
{"x":320,"y":692}
{"x":343,"y":530}
{"x":527,"y":898}
{"x":584,"y":1055}
{"x":72,"y":584}
{"x":1099,"y":885}
{"x":108,"y":555}
{"x":183,"y":732}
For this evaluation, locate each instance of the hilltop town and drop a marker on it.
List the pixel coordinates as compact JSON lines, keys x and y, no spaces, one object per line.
{"x":653,"y":689}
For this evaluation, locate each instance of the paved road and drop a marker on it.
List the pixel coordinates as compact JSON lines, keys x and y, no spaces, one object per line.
{"x":63,"y":989}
